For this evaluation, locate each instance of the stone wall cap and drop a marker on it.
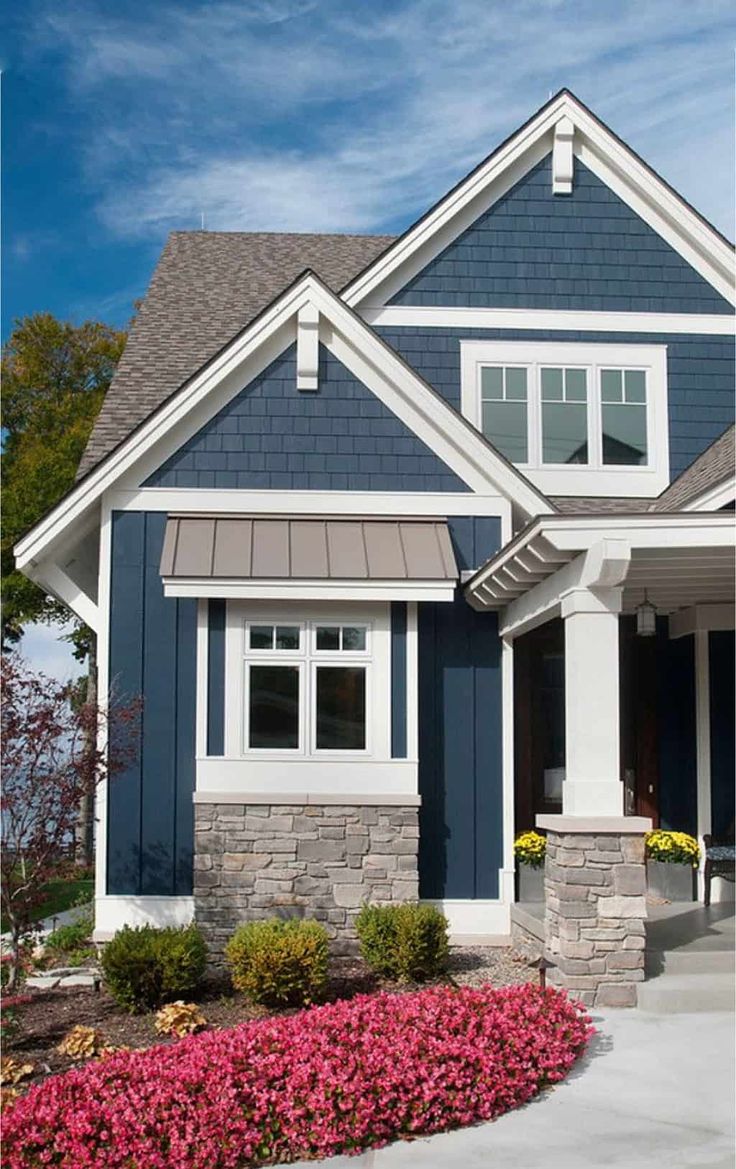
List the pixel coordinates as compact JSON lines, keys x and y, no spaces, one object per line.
{"x":347,"y":799}
{"x":598,"y":825}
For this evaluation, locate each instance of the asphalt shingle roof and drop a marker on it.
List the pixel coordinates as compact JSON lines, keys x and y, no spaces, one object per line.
{"x":206,"y":287}
{"x":715,"y":464}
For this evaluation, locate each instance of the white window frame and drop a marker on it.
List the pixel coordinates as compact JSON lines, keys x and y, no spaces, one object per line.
{"x":593,"y":477}
{"x":307,"y":659}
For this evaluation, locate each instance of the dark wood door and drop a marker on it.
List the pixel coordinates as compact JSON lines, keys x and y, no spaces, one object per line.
{"x":539,"y":722}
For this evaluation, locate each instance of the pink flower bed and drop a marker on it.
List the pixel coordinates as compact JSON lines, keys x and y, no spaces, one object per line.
{"x":332,"y":1079}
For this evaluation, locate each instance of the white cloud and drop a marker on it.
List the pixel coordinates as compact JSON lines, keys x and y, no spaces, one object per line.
{"x":294,"y":115}
{"x":46,"y":653}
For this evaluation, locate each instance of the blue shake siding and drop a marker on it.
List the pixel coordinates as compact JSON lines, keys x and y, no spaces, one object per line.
{"x":339,"y":438}
{"x":586,"y":250}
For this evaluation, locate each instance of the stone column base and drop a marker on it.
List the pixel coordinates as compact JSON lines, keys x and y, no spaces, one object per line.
{"x":309,"y":860}
{"x":595,"y":896}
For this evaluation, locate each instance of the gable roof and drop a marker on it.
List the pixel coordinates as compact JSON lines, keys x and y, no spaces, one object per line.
{"x":715,"y":465}
{"x":599,"y":149}
{"x":458,"y":443}
{"x":206,"y":287}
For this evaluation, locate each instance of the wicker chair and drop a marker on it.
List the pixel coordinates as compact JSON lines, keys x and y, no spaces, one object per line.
{"x":720,"y":861}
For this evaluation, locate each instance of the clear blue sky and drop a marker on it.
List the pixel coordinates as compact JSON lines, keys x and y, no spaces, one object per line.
{"x":124,"y":120}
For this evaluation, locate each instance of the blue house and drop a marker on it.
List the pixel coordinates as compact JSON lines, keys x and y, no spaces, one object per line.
{"x":410,"y":544}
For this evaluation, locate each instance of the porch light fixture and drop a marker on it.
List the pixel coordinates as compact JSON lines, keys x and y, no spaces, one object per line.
{"x":646,"y":618}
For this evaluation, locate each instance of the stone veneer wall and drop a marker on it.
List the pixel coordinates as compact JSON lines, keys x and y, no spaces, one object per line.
{"x":595,"y":910}
{"x":307,"y":860}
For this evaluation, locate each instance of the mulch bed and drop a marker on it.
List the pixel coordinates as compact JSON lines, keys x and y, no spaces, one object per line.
{"x":50,"y":1014}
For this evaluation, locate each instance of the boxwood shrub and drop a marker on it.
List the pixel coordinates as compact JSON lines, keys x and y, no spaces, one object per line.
{"x":407,"y":942}
{"x":145,"y":967}
{"x":279,"y":963}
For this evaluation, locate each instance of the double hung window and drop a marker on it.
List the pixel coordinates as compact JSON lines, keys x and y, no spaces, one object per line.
{"x":306,"y":687}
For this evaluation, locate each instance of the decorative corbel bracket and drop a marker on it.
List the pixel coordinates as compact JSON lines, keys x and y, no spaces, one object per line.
{"x":307,"y":348}
{"x":562,"y":158}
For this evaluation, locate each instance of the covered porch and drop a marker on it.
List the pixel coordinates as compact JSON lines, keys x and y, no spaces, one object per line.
{"x":622,"y":630}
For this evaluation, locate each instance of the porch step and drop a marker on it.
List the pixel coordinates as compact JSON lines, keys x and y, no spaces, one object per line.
{"x":671,"y":994}
{"x":690,"y":961}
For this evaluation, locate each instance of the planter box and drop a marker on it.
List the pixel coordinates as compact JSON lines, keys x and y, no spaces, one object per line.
{"x":671,"y":882}
{"x":529,"y":884}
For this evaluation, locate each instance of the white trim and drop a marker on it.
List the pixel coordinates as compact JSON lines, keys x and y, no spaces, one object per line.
{"x":400,"y":389}
{"x":713,"y":498}
{"x":313,"y":775}
{"x":338,"y":503}
{"x":470,"y":918}
{"x":357,"y":799}
{"x":203,"y":674}
{"x":506,"y":874}
{"x":593,"y":477}
{"x":701,"y":618}
{"x":113,"y":912}
{"x":567,"y":320}
{"x":103,"y":689}
{"x":305,"y":590}
{"x":702,"y":740}
{"x":664,"y":211}
{"x":412,"y":681}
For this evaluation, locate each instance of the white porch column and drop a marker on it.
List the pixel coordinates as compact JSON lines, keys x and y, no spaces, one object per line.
{"x":592,"y":784}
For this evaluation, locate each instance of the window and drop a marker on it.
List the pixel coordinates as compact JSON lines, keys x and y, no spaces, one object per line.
{"x":504,"y":409}
{"x":306,"y":687}
{"x":578,"y":418}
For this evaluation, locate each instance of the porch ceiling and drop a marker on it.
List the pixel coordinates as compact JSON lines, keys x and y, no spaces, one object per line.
{"x":680,"y":559}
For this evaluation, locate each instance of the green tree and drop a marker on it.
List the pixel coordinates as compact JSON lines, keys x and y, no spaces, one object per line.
{"x":54,"y":378}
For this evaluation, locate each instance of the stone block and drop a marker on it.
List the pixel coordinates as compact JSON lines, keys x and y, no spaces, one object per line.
{"x":321,"y":850}
{"x":629,"y":879}
{"x":349,"y":896}
{"x":570,"y":857}
{"x":632,"y":849}
{"x":633,"y":942}
{"x":578,"y":909}
{"x":272,"y":824}
{"x":615,"y":994}
{"x":625,"y":960}
{"x":626,"y":907}
{"x":577,"y":949}
{"x":584,"y":876}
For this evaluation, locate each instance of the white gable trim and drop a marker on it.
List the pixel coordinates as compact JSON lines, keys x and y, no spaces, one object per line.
{"x":651,"y":198}
{"x":404,"y":393}
{"x":559,"y":320}
{"x":713,"y":498}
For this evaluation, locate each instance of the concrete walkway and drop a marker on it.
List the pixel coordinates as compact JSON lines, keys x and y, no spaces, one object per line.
{"x":654,"y":1091}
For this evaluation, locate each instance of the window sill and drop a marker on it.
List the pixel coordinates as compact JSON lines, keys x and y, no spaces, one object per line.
{"x":343,"y":777}
{"x":641,"y":482}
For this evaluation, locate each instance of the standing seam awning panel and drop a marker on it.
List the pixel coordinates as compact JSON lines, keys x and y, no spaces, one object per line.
{"x":286,"y":548}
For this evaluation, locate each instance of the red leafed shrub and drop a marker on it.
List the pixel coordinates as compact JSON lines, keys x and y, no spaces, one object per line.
{"x":332,"y":1079}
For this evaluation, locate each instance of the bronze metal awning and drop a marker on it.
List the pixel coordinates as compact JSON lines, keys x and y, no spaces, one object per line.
{"x":274,"y":557}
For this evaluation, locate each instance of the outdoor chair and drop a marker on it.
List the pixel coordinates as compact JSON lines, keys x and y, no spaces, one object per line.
{"x":720,"y":861}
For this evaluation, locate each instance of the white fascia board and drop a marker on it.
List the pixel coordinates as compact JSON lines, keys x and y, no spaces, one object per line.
{"x":403,"y":392}
{"x":714,"y":497}
{"x":339,"y":503}
{"x":560,"y":320}
{"x":316,"y":590}
{"x":664,"y":211}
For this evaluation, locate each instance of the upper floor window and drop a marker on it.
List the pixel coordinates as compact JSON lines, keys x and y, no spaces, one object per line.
{"x":577,"y":418}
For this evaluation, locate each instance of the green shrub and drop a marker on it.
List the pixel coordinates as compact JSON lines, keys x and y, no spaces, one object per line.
{"x":69,"y":937}
{"x":279,"y":963}
{"x":408,"y":942}
{"x":145,"y":967}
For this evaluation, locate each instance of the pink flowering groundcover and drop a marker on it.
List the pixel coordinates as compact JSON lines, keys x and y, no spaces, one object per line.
{"x":332,"y":1079}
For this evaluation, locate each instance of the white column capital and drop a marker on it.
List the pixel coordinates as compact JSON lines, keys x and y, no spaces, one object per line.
{"x":608,"y":601}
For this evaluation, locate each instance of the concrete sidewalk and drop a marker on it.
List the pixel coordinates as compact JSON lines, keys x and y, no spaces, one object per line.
{"x":654,"y":1091}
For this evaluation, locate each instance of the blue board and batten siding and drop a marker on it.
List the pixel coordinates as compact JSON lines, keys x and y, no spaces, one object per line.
{"x":460,"y":735}
{"x":216,"y":677}
{"x":152,"y":658}
{"x":677,"y":762}
{"x":340,"y":438}
{"x":588,"y":250}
